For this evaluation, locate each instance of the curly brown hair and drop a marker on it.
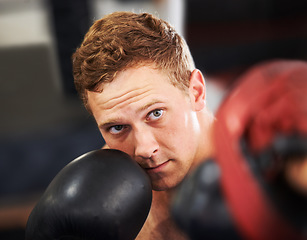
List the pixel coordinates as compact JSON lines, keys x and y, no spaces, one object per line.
{"x":124,"y":39}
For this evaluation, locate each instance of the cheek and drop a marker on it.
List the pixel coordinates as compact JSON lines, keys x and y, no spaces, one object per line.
{"x":177,"y":132}
{"x":188,"y":131}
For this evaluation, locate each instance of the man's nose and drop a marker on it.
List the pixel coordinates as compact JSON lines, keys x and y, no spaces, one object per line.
{"x":146,"y":144}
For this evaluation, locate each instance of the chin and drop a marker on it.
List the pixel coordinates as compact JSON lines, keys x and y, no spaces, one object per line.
{"x":164,"y":186}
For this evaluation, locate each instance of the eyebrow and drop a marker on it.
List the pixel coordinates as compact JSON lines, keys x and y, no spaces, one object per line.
{"x":109,"y":122}
{"x":115,"y":121}
{"x":148,"y":105}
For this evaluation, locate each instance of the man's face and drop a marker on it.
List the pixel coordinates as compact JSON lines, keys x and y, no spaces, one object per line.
{"x":141,"y":113}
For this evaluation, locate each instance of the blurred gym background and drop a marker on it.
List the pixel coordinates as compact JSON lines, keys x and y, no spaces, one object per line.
{"x":44,"y":125}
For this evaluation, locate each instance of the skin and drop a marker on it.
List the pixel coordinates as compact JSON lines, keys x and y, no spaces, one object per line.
{"x":166,"y":130}
{"x":296,"y":174}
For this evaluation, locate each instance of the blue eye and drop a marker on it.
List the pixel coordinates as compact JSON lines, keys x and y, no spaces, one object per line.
{"x":116,"y":129}
{"x":155,"y":114}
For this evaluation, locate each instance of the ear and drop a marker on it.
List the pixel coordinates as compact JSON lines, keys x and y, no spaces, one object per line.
{"x":197,"y":90}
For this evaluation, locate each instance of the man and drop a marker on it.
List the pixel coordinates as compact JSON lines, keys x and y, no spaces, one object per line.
{"x":136,"y":76}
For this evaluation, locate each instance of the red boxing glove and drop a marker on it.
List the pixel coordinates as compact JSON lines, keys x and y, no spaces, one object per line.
{"x":269,"y":101}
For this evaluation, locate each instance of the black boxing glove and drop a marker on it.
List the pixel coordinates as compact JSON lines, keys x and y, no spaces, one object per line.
{"x":199,"y":207}
{"x":103,"y":194}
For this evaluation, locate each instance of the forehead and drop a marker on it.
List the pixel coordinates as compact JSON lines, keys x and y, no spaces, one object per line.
{"x":132,"y":86}
{"x":136,"y":78}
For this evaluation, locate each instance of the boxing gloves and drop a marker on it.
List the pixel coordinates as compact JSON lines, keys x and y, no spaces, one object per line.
{"x":103,"y":194}
{"x":199,"y":207}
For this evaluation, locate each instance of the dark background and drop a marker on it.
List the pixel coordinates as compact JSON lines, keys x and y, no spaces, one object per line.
{"x":42,"y":128}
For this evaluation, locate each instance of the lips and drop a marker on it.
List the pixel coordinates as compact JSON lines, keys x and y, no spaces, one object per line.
{"x":157,"y":168}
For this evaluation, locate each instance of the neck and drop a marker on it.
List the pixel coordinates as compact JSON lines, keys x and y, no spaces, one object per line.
{"x":206,"y":144}
{"x":163,"y":197}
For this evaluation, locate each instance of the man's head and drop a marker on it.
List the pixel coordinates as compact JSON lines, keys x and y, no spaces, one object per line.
{"x":122,"y":40}
{"x":137,"y":78}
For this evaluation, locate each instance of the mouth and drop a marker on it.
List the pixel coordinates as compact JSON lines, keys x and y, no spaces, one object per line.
{"x":157,"y":168}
